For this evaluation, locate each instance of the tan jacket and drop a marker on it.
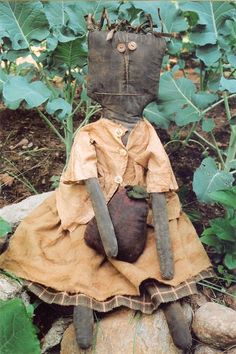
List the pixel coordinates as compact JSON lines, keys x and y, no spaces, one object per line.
{"x":98,"y":151}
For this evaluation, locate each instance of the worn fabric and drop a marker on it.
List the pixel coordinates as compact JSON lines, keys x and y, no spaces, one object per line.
{"x":146,"y":303}
{"x":116,"y":72}
{"x":48,"y":247}
{"x":129,"y":218}
{"x":98,"y":151}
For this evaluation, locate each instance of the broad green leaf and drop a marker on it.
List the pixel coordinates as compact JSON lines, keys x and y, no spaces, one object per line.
{"x":223,"y":229}
{"x":228,"y":84}
{"x":225,"y":197}
{"x":209,"y":54}
{"x":171,"y":16}
{"x":59,"y":107}
{"x":179,"y":100}
{"x":18,"y":89}
{"x":211,"y":17}
{"x":174,"y":46}
{"x":12,"y":55}
{"x":17,"y":333}
{"x":23,"y":22}
{"x":209,"y":240}
{"x":55,"y":13}
{"x":230,"y":261}
{"x":5,"y":227}
{"x":207,"y":179}
{"x":153,"y":114}
{"x":208,"y":124}
{"x":232,"y":60}
{"x":71,"y":53}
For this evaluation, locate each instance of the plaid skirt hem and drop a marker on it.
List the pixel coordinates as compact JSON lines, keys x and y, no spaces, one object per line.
{"x":146,"y":303}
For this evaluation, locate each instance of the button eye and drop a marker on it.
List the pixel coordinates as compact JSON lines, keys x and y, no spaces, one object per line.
{"x":132,"y":45}
{"x":121,"y":47}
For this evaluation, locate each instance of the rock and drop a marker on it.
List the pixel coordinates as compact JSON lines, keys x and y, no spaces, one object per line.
{"x":9,"y":288}
{"x":231,"y":300}
{"x":197,"y":300}
{"x":231,"y":351}
{"x":14,"y":213}
{"x":54,"y":335}
{"x":122,"y":333}
{"x":188,"y":312}
{"x":205,"y":349}
{"x":215,"y":324}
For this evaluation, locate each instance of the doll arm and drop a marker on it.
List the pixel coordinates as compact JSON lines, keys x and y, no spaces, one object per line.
{"x":163,"y":242}
{"x":104,"y":223}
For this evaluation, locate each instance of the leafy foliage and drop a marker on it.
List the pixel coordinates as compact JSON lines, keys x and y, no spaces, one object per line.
{"x":208,"y":179}
{"x":179,"y":100}
{"x":221,"y":235}
{"x":207,"y":31}
{"x":17,"y":333}
{"x":23,"y":24}
{"x":5,"y":227}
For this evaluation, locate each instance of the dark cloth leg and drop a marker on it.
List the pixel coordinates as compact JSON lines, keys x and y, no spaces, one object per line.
{"x":176,"y":321}
{"x":178,"y":325}
{"x":83,"y":322}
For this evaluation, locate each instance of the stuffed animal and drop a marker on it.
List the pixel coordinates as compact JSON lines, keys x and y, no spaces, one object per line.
{"x":65,"y":256}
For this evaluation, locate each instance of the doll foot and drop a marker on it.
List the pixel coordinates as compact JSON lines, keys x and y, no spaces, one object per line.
{"x":83,"y":323}
{"x":178,"y":326}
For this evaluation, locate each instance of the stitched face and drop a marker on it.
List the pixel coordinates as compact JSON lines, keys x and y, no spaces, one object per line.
{"x":124,"y":72}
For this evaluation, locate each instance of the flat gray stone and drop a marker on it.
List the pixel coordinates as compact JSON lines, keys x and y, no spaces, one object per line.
{"x":9,"y":288}
{"x":14,"y":213}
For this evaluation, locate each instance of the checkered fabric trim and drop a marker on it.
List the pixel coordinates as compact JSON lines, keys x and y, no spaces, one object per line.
{"x":146,"y":303}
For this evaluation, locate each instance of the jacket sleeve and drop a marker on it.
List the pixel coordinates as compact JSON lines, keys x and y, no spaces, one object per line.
{"x":82,"y":162}
{"x":159,"y":174}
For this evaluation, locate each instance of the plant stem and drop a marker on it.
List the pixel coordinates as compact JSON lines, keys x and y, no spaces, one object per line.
{"x":205,"y":140}
{"x":49,"y":123}
{"x":218,"y":151}
{"x":232,"y":141}
{"x":217,"y":103}
{"x":193,"y":128}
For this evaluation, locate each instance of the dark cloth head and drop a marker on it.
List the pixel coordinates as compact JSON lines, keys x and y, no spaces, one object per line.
{"x":124,"y":72}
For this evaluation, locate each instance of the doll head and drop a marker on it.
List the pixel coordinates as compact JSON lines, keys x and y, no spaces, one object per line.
{"x":124,"y":72}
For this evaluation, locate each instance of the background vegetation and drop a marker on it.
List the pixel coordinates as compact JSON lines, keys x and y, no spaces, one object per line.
{"x":54,"y":34}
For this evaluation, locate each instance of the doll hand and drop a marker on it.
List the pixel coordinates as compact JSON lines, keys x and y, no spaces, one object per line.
{"x":104,"y":223}
{"x":163,"y":241}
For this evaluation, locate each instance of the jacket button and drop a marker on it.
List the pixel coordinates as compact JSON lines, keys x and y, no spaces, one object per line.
{"x":119,"y":132}
{"x":118,"y":179}
{"x":121,"y":47}
{"x":123,"y":152}
{"x":132,"y":45}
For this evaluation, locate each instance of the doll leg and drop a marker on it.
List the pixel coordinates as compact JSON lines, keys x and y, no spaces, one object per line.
{"x":176,"y":321}
{"x":178,"y":325}
{"x":83,"y":323}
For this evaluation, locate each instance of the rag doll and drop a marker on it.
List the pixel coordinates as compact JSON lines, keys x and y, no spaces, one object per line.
{"x":79,"y":246}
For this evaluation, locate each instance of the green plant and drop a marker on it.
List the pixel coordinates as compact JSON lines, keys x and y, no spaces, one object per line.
{"x":17,"y":333}
{"x":55,"y":37}
{"x":221,"y":235}
{"x":5,"y":227}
